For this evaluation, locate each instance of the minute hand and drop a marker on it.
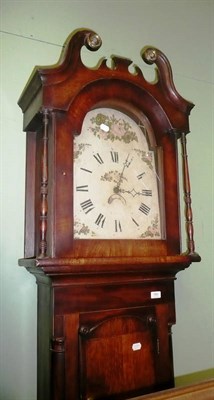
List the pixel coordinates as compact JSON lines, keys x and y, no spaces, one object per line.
{"x":125,"y":165}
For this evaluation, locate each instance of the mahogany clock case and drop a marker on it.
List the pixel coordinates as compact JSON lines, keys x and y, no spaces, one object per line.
{"x":105,"y":287}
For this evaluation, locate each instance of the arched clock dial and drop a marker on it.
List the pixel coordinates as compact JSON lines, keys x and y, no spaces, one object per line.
{"x":116,"y":183}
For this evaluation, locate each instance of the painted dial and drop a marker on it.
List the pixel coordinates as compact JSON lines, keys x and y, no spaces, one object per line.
{"x":115,"y":179}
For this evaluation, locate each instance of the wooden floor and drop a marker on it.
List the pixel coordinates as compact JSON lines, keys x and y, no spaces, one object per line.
{"x":200,"y":391}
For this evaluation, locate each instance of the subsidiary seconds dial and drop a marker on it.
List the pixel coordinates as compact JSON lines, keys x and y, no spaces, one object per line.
{"x":115,"y":180}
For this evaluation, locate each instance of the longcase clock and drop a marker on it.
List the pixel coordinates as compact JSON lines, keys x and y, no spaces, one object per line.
{"x":102,"y":222}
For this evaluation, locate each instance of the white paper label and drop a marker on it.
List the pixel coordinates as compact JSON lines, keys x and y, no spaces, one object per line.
{"x":136,"y":346}
{"x":156,"y":295}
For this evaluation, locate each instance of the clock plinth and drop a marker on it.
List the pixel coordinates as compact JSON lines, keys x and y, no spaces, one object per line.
{"x":102,"y":222}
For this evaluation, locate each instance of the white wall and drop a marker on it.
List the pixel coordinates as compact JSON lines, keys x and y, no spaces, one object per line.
{"x":32,"y":33}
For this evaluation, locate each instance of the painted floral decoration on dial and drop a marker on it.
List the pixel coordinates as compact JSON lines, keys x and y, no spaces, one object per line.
{"x":115,"y":179}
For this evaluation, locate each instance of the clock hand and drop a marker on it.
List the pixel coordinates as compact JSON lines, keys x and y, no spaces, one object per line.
{"x":143,"y":192}
{"x":116,"y":195}
{"x":125,"y":165}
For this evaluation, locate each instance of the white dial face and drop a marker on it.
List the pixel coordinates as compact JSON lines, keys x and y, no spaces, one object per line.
{"x":115,"y":179}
